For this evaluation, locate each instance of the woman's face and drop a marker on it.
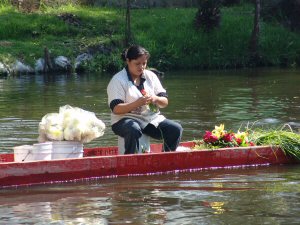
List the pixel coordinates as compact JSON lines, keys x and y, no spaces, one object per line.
{"x":137,"y":66}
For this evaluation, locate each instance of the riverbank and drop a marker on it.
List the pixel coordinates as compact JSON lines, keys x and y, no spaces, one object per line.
{"x":168,"y":34}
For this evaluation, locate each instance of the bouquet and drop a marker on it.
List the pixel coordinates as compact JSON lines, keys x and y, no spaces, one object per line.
{"x":287,"y":140}
{"x":220,"y":138}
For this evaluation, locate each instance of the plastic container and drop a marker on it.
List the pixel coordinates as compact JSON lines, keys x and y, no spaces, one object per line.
{"x":144,"y":144}
{"x":23,"y":153}
{"x":67,"y":149}
{"x":42,"y":151}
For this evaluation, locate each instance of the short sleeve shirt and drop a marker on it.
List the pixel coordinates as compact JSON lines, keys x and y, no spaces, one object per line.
{"x":121,"y":89}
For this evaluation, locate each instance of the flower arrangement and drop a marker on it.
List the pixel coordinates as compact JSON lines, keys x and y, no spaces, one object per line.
{"x":220,"y":138}
{"x":283,"y":138}
{"x":152,"y":107}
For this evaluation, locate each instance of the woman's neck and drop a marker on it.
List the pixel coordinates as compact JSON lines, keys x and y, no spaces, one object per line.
{"x":136,"y":80}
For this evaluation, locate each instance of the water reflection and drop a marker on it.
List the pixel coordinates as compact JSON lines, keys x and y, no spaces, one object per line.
{"x":198,"y":99}
{"x":255,"y":195}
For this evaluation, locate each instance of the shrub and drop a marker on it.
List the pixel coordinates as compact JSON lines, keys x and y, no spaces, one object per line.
{"x":286,"y":12}
{"x":208,"y":15}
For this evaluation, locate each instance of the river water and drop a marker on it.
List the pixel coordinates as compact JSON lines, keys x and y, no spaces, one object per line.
{"x":199,"y":100}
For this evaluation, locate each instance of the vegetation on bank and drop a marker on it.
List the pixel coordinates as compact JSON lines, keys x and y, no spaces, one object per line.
{"x":169,"y":34}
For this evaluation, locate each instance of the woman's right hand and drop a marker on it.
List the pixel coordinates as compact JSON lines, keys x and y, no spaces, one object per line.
{"x":144,"y":100}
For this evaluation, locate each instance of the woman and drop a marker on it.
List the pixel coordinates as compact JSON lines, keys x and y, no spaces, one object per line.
{"x":134,"y":97}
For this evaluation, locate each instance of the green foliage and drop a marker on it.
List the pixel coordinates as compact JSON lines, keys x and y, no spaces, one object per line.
{"x":230,"y":2}
{"x":177,"y":45}
{"x":4,"y":3}
{"x":168,"y":34}
{"x":286,"y":12}
{"x":208,"y":15}
{"x":287,"y":140}
{"x":24,"y":36}
{"x":101,"y":63}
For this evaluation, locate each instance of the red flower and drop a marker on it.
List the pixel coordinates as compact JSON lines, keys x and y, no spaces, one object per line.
{"x":228,"y":137}
{"x":144,"y":93}
{"x":239,"y":141}
{"x":220,"y":138}
{"x":209,"y":137}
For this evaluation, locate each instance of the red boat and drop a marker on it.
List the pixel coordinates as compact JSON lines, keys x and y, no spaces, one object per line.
{"x":105,"y":162}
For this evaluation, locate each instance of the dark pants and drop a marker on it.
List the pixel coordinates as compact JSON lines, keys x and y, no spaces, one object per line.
{"x":168,"y":131}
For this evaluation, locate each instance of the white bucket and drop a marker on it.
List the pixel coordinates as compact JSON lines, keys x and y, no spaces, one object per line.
{"x":67,"y":149}
{"x":23,"y":153}
{"x":42,"y":151}
{"x":144,"y":144}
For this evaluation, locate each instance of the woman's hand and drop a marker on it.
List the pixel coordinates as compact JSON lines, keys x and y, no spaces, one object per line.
{"x":161,"y":102}
{"x":123,"y":108}
{"x":144,"y":100}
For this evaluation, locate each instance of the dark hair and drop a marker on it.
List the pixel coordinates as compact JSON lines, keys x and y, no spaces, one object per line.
{"x":134,"y":52}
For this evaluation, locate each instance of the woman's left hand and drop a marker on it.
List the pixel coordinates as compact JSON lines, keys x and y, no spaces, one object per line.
{"x":161,"y":102}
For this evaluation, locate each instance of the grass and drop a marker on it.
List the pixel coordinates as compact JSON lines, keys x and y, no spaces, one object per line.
{"x":24,"y":36}
{"x":284,"y":138}
{"x":168,"y":34}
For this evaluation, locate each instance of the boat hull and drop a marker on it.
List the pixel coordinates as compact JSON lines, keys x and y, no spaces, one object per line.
{"x":104,"y":165}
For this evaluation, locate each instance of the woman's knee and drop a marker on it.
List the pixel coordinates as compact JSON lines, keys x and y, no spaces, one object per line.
{"x":127,"y":128}
{"x":133,"y":128}
{"x":179,"y":128}
{"x":173,"y":127}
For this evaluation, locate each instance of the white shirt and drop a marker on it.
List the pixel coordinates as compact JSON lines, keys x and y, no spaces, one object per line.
{"x":120,"y":87}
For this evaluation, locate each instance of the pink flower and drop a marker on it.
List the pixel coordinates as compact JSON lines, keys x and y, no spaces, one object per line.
{"x":220,"y":138}
{"x":209,"y":137}
{"x":239,"y":141}
{"x":228,"y":137}
{"x":144,"y":93}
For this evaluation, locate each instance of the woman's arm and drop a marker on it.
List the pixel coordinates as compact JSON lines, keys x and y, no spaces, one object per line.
{"x":123,"y":108}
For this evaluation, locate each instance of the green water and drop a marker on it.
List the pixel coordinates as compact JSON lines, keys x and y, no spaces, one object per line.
{"x":255,"y":195}
{"x":198,"y":100}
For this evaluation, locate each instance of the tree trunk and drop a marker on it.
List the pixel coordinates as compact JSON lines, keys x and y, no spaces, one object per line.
{"x":253,"y":45}
{"x":128,"y":25}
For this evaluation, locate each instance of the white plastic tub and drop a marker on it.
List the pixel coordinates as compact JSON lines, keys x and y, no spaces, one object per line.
{"x":67,"y":149}
{"x":42,"y":151}
{"x":23,"y":153}
{"x":144,"y":144}
{"x":48,"y":151}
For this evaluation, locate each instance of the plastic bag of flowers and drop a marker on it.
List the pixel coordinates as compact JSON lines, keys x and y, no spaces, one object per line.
{"x":51,"y":128}
{"x":76,"y":125}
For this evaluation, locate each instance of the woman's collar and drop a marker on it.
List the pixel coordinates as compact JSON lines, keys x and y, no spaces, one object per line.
{"x":143,"y":78}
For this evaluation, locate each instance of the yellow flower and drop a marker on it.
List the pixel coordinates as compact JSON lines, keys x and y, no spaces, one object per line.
{"x":219,"y":131}
{"x":242,"y":135}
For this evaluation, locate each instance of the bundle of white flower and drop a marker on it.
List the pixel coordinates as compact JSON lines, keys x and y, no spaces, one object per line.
{"x":70,"y":124}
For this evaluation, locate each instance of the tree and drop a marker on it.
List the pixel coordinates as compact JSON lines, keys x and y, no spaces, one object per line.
{"x":208,"y":15}
{"x":128,"y":37}
{"x":254,"y":40}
